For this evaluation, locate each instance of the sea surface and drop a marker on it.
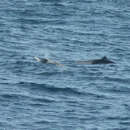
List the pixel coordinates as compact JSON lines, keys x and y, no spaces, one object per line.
{"x":36,"y":96}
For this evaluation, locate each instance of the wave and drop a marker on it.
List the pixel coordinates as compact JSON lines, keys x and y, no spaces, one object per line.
{"x":37,"y":101}
{"x":13,"y":97}
{"x":119,"y":80}
{"x":51,"y":88}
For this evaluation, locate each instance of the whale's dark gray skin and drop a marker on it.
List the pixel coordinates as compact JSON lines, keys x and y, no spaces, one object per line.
{"x":47,"y":61}
{"x":103,"y":60}
{"x":44,"y":60}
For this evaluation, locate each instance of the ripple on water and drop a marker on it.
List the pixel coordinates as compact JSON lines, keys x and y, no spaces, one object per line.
{"x":37,"y":96}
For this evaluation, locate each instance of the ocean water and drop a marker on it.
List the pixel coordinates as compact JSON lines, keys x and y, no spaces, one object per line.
{"x":36,"y":96}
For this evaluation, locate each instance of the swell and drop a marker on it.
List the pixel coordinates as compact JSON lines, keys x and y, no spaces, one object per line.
{"x":30,"y":99}
{"x":13,"y":96}
{"x":51,"y":88}
{"x":118,"y":80}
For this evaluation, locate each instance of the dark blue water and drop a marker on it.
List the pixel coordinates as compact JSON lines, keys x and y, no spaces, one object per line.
{"x":36,"y":96}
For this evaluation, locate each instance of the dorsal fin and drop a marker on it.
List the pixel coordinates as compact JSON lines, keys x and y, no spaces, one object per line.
{"x":104,"y":58}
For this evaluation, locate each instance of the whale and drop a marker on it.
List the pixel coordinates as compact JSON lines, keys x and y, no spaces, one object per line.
{"x":47,"y":61}
{"x":103,"y":60}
